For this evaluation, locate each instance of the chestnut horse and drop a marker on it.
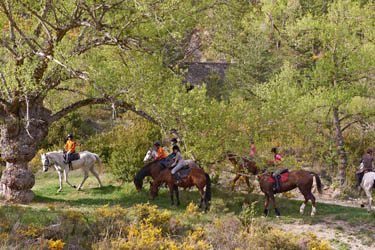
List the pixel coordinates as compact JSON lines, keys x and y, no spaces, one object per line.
{"x":152,"y":169}
{"x":197,"y":177}
{"x":299,"y":178}
{"x":243,"y":164}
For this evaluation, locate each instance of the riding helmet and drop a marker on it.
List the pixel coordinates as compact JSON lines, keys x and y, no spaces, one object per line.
{"x":274,"y":150}
{"x":70,"y":135}
{"x":370,"y":151}
{"x":174,"y":140}
{"x":157,"y":144}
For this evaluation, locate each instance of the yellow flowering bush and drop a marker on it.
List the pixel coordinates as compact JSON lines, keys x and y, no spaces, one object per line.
{"x":150,"y":214}
{"x":32,"y":231}
{"x":4,"y":236}
{"x":191,"y":209}
{"x":55,"y":245}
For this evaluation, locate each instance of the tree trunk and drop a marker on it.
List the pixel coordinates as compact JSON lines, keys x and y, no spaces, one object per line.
{"x":19,"y":141}
{"x":340,"y":147}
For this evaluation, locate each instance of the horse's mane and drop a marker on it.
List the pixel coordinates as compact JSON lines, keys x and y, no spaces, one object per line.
{"x":144,"y":171}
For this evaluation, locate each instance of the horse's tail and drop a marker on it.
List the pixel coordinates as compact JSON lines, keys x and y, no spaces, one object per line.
{"x":99,"y":162}
{"x":318,"y":182}
{"x":207,"y":194}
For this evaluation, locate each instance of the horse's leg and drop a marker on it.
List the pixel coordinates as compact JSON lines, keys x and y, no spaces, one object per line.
{"x":177,"y":195}
{"x":266,"y":204}
{"x":92,"y":170}
{"x":235,"y":180}
{"x":308,"y":196}
{"x":171,"y":190}
{"x":277,"y":212}
{"x":66,"y":171}
{"x":302,"y":208}
{"x":86,"y":175}
{"x":361,"y":196}
{"x":61,"y":181}
{"x":313,"y":209}
{"x":368,"y":194}
{"x":202,"y":197}
{"x":247,"y":182}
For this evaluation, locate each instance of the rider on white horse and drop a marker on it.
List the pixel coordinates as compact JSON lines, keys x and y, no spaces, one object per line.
{"x":86,"y":161}
{"x":366,"y":165}
{"x":70,"y":149}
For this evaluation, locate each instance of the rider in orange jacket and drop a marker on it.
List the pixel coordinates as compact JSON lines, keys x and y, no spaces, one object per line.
{"x":70,"y":148}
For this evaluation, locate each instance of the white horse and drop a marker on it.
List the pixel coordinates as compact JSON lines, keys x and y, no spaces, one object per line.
{"x":367,"y":184}
{"x":150,"y":155}
{"x":86,"y":162}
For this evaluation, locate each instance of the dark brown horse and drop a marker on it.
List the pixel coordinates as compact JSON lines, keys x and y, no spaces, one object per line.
{"x":243,"y":164}
{"x":152,"y":169}
{"x":299,"y":178}
{"x":197,"y":177}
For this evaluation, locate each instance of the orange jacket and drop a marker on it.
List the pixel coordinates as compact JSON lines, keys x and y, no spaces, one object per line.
{"x":70,"y":145}
{"x":161,"y":154}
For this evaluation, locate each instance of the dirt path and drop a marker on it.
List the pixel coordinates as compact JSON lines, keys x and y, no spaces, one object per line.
{"x":340,"y":235}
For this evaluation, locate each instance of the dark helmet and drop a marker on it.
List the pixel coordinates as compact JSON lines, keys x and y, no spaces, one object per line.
{"x":174,"y":140}
{"x":175,"y":147}
{"x":157,"y":144}
{"x":369,"y":151}
{"x":274,"y":150}
{"x":70,"y":135}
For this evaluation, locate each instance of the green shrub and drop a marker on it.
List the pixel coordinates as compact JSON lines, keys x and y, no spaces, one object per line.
{"x":124,"y":147}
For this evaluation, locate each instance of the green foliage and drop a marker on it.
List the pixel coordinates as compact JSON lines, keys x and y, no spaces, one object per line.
{"x":125,"y":146}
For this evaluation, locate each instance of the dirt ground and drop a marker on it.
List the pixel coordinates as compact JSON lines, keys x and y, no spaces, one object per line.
{"x":340,"y":234}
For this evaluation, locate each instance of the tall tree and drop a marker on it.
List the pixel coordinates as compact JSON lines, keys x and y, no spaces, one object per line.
{"x":50,"y":46}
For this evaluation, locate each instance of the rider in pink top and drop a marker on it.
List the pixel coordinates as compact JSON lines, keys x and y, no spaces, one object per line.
{"x":277,"y":170}
{"x":253,"y":149}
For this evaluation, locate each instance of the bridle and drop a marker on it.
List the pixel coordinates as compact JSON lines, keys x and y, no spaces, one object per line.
{"x":46,"y":163}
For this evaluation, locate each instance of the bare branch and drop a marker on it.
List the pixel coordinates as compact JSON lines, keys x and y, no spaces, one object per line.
{"x":6,"y":45}
{"x":13,"y":24}
{"x":76,"y":106}
{"x":91,"y":101}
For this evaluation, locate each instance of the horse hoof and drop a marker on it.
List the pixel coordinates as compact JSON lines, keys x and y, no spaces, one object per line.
{"x":278,"y":217}
{"x":362,"y":205}
{"x":74,"y":187}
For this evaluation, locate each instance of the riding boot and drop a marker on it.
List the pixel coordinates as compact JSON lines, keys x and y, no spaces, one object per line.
{"x":277,"y":184}
{"x":178,"y":178}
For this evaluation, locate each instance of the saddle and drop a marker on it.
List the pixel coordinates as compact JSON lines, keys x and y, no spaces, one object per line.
{"x":184,"y":172}
{"x":73,"y":157}
{"x":283,"y":176}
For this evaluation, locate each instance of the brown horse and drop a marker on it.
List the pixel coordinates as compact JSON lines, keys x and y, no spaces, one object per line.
{"x":299,"y":178}
{"x":197,"y":177}
{"x":152,"y":169}
{"x":243,"y":164}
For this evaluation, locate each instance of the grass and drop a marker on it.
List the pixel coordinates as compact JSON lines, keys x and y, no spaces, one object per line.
{"x":111,"y":193}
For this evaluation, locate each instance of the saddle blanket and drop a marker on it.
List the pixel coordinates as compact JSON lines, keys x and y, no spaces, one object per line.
{"x":284,"y":177}
{"x":184,"y":172}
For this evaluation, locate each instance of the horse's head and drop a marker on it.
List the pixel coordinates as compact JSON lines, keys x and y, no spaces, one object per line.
{"x":154,"y":189}
{"x":151,"y":154}
{"x":138,"y":184}
{"x":45,"y":162}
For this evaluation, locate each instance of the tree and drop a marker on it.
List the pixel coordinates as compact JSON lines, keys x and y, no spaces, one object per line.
{"x":51,"y":46}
